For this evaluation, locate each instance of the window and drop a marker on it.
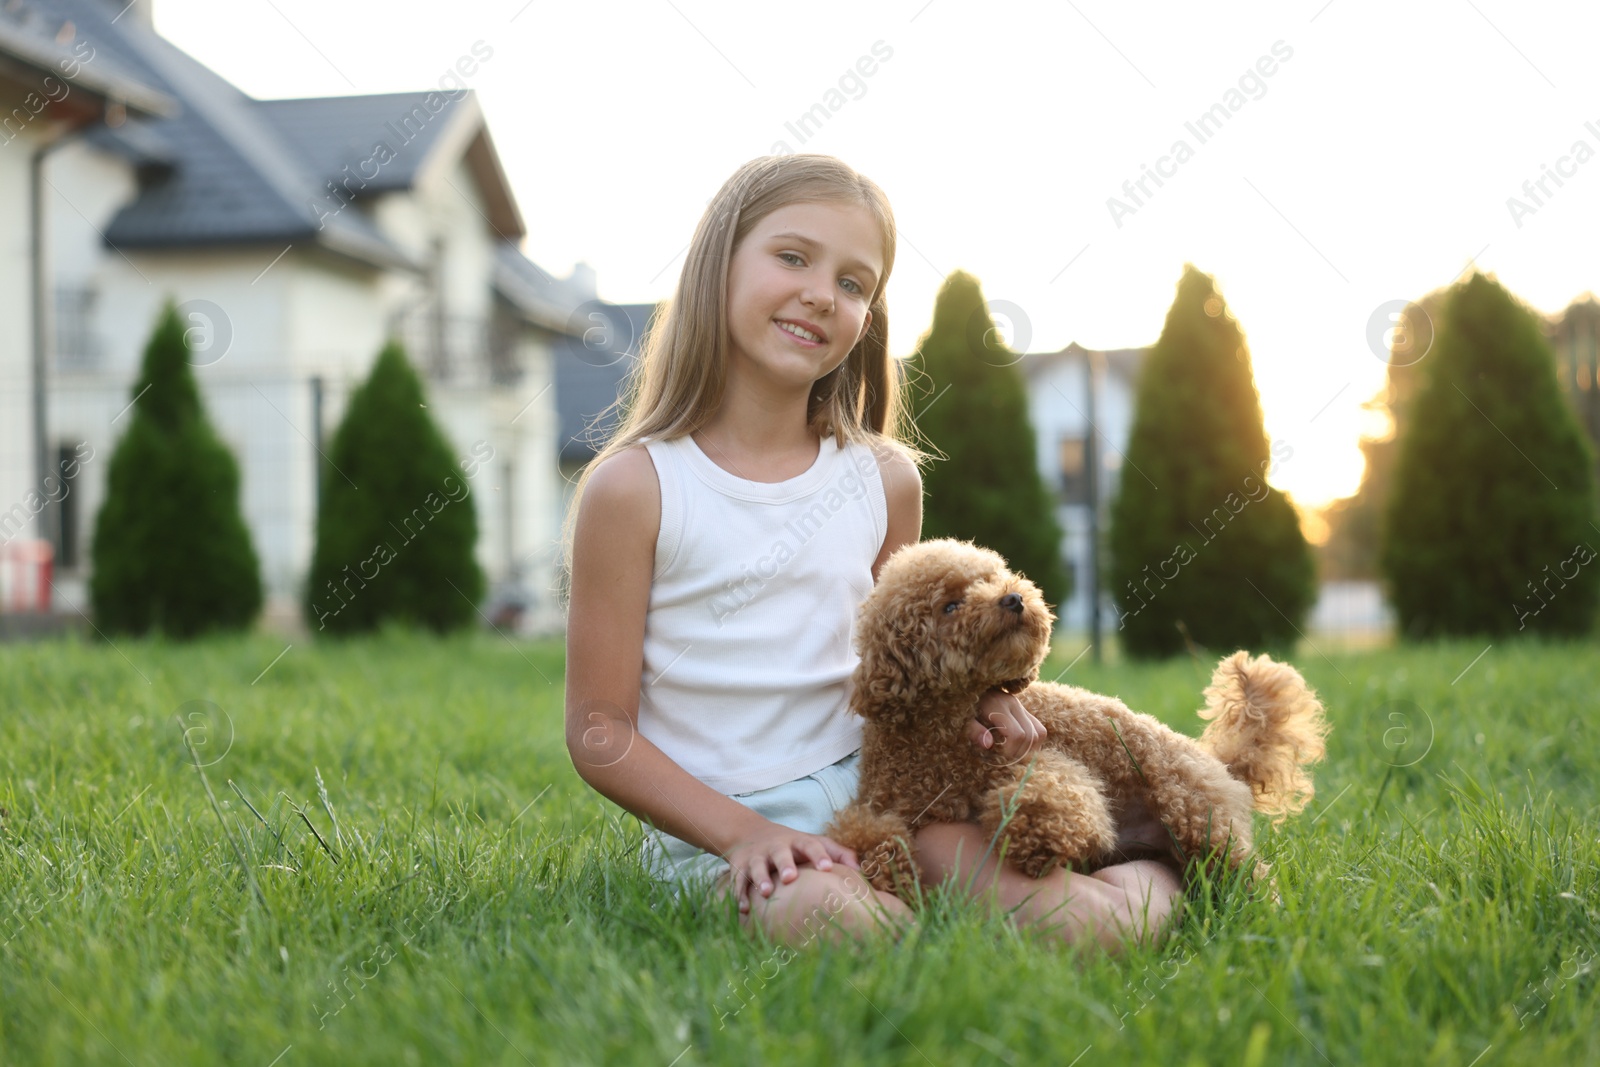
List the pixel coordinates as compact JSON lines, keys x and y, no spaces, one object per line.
{"x":77,"y":346}
{"x":1074,"y":470}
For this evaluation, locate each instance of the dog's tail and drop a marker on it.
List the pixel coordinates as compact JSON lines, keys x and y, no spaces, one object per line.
{"x":1266,"y":724}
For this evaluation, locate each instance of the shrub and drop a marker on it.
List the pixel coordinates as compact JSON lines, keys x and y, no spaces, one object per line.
{"x":1488,"y":526}
{"x":171,"y":552}
{"x":988,"y":490}
{"x":1199,"y":540}
{"x":396,"y":525}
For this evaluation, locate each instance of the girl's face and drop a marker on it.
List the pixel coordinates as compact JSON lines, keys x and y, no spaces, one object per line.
{"x":798,"y":289}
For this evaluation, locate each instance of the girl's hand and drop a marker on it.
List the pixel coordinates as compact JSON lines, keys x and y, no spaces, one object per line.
{"x":781,"y":849}
{"x":1020,"y":733}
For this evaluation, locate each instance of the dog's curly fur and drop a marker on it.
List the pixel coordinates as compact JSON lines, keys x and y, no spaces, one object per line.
{"x":946,"y":621}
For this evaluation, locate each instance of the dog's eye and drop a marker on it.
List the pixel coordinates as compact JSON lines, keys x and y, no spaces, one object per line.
{"x":952,"y":606}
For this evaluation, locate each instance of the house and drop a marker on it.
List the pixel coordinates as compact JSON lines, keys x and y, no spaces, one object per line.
{"x":1070,"y":393}
{"x":296,"y":236}
{"x":592,"y":369}
{"x":53,"y":86}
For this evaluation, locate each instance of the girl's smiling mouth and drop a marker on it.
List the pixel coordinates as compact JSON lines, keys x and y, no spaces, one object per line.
{"x":810,"y":338}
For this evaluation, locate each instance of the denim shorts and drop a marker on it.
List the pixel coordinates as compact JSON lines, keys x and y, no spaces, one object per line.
{"x":805,"y":804}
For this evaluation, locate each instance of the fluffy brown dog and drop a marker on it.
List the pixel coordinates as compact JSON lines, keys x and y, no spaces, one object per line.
{"x":946,"y":621}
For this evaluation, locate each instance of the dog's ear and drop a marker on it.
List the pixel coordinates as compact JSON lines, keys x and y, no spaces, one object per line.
{"x":893,"y":678}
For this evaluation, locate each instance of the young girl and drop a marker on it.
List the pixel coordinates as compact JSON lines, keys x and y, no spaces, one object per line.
{"x":718,"y":547}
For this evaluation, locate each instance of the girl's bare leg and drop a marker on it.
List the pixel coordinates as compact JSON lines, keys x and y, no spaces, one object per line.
{"x":825,"y":906}
{"x":1129,"y":902}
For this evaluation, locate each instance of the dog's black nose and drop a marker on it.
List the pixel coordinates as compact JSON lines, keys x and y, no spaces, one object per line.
{"x":1012,"y":602}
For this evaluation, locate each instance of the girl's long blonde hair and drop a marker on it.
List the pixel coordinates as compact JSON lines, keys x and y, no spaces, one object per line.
{"x":681,"y":374}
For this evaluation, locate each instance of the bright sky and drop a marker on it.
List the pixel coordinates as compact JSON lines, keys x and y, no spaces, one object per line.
{"x":1370,"y":166}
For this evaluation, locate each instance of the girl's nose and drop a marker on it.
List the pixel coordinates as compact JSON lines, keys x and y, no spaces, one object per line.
{"x":817,"y":298}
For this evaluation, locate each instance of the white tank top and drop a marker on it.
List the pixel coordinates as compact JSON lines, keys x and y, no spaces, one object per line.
{"x":749,"y":641}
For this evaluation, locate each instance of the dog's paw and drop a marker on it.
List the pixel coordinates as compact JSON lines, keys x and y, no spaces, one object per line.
{"x":1064,"y":820}
{"x":889,"y":868}
{"x":882,"y":844}
{"x":1036,"y":847}
{"x":1087,"y":846}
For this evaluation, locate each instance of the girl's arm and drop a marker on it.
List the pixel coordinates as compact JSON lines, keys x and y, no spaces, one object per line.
{"x":613,"y":560}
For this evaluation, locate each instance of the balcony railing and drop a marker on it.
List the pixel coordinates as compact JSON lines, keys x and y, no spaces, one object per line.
{"x":458,"y":348}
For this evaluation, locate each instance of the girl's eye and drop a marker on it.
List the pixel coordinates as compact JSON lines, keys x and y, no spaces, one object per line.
{"x":950,"y":607}
{"x":855,"y":287}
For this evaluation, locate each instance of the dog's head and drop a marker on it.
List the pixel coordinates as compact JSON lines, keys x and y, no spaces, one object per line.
{"x":946,"y":621}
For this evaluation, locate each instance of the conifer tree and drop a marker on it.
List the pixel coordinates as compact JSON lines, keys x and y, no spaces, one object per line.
{"x":1200,"y":543}
{"x":396,"y":525}
{"x":171,"y":552}
{"x":988,"y":490}
{"x":1491,"y":523}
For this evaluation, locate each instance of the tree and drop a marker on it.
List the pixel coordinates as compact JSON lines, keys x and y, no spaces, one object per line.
{"x":1575,"y":336}
{"x":988,"y":490}
{"x":396,"y":525}
{"x":171,"y":552}
{"x":1355,"y":522}
{"x":1489,"y":525}
{"x":1200,"y":543}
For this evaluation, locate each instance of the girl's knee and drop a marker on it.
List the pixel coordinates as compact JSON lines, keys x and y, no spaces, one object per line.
{"x":1114,"y":906}
{"x":823,"y":905}
{"x":1141,"y":898}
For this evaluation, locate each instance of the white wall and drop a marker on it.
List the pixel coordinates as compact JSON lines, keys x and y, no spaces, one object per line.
{"x":1058,"y":407}
{"x":16,"y":327}
{"x":532,"y":439}
{"x":86,"y":188}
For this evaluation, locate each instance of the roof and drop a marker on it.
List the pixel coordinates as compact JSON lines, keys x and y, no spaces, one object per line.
{"x":141,"y":143}
{"x":537,"y":296}
{"x":36,"y":39}
{"x":219,"y":167}
{"x":332,"y":132}
{"x":591,"y":368}
{"x":1123,"y":362}
{"x":229,"y":169}
{"x":337,"y":137}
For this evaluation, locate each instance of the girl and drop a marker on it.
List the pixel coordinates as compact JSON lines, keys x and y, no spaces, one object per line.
{"x":717,"y":549}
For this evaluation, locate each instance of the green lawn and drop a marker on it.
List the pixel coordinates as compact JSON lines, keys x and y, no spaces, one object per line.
{"x":472,"y":901}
